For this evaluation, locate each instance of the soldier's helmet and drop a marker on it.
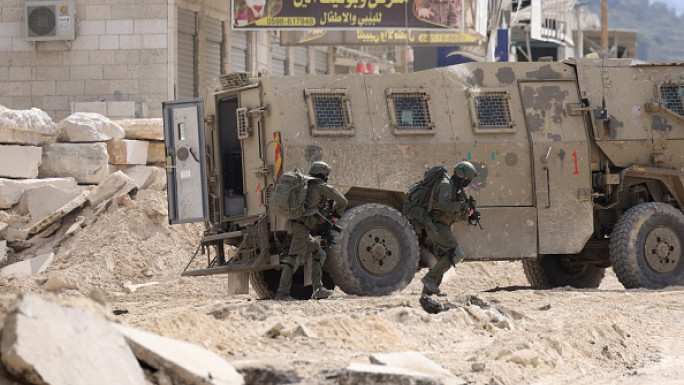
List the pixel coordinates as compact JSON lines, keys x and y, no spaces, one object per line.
{"x":465,"y":170}
{"x":319,"y":168}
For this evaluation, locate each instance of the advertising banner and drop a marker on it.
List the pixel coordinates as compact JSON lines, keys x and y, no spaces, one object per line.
{"x":351,"y":15}
{"x":392,"y":37}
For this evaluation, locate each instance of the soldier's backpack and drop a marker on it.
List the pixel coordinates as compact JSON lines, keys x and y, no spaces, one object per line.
{"x":418,"y":195}
{"x":289,"y":195}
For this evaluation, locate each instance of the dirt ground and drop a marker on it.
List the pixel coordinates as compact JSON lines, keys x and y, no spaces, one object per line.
{"x":562,"y":336}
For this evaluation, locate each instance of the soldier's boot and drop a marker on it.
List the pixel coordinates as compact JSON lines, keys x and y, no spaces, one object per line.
{"x":283,"y":297}
{"x":320,"y":292}
{"x":433,"y":278}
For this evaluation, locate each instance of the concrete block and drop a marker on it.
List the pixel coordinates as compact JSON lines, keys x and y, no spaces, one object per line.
{"x":114,"y":185}
{"x":158,"y":40}
{"x":96,"y":107}
{"x":86,"y":43}
{"x":150,"y":26}
{"x":10,"y":29}
{"x":120,"y":110}
{"x":6,"y":44}
{"x":86,"y":72}
{"x":156,"y":152}
{"x":88,"y":163}
{"x":42,"y":201}
{"x":188,"y":363}
{"x":97,"y":12}
{"x":126,"y":151}
{"x":102,"y":57}
{"x":109,"y":42}
{"x":91,"y":27}
{"x":378,"y":374}
{"x":130,"y":41}
{"x":146,"y":129}
{"x":70,"y":87}
{"x":120,"y":27}
{"x":38,"y":333}
{"x":14,"y":88}
{"x":25,"y":126}
{"x":88,"y":127}
{"x":27,"y":268}
{"x":52,"y":72}
{"x":115,"y":71}
{"x":11,"y":190}
{"x":4,"y":74}
{"x":20,"y":44}
{"x":20,"y":161}
{"x":19,"y":73}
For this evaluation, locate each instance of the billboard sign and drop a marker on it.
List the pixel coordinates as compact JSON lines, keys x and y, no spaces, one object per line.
{"x":391,"y":37}
{"x":351,"y":15}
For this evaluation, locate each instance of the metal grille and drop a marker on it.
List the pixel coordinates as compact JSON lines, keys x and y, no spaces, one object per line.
{"x":411,"y":111}
{"x":492,"y":110}
{"x":235,"y":79}
{"x":672,"y":97}
{"x":330,"y":111}
{"x":242,"y":123}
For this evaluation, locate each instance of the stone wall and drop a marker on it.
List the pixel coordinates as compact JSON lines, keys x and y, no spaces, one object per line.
{"x":121,"y":54}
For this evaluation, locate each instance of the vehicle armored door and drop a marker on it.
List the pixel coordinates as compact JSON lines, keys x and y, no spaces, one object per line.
{"x":560,"y":159}
{"x":185,"y":166}
{"x":253,"y":154}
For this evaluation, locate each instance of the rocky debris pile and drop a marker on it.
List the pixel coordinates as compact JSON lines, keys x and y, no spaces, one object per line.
{"x":52,"y":176}
{"x":77,"y":342}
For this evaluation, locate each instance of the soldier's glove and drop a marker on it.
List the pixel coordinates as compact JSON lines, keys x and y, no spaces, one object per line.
{"x":474,"y":218}
{"x":432,"y":226}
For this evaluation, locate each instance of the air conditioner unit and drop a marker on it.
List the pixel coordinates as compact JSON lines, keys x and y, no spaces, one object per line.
{"x":50,"y":20}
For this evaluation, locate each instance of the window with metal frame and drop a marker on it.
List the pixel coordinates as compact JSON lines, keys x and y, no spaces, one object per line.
{"x":672,"y":97}
{"x":329,"y":112}
{"x":490,"y":110}
{"x":409,"y":111}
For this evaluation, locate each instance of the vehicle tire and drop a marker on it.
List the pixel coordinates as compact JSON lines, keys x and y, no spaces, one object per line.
{"x":646,"y":246}
{"x":549,"y":271}
{"x":265,"y":284}
{"x":376,"y":253}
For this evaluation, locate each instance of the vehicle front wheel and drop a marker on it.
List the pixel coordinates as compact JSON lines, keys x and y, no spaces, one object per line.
{"x":376,"y":253}
{"x":549,"y":271}
{"x":646,"y":246}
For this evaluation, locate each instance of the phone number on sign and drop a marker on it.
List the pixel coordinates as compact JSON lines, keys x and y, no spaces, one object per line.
{"x":291,"y":21}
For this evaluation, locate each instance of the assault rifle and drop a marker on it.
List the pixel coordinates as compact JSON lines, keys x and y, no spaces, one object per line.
{"x":474,"y":218}
{"x":330,"y":226}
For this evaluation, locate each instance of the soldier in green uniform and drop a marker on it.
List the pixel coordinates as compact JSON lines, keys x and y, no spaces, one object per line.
{"x":446,"y":205}
{"x":302,"y":229}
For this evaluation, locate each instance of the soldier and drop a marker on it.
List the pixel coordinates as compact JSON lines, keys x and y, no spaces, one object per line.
{"x":303,"y":243}
{"x":446,"y":204}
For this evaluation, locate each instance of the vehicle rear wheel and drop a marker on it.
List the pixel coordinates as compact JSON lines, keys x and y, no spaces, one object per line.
{"x":646,"y":246}
{"x":549,"y":271}
{"x":376,"y":253}
{"x":265,"y":284}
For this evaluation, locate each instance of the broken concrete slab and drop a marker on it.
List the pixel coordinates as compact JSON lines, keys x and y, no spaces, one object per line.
{"x":156,"y":153}
{"x":357,"y":373}
{"x":88,"y":127}
{"x":20,"y":161}
{"x":186,"y":363}
{"x":33,"y":266}
{"x":266,"y":371}
{"x":26,"y":126}
{"x":58,"y":214}
{"x":3,"y":252}
{"x":42,"y":201}
{"x":114,"y":185}
{"x":15,"y":233}
{"x":11,"y":190}
{"x":38,"y":333}
{"x":412,"y":361}
{"x":88,"y":163}
{"x":127,"y":151}
{"x":146,"y":129}
{"x":152,"y":177}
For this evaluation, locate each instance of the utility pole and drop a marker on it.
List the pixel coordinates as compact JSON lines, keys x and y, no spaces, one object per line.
{"x":604,"y":27}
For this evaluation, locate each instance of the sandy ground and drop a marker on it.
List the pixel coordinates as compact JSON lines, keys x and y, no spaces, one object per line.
{"x":562,"y":336}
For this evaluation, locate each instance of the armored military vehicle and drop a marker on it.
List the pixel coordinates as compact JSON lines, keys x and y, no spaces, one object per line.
{"x":581,"y":167}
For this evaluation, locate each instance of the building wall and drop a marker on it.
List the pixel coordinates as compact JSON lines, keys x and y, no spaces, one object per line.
{"x":121,"y":53}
